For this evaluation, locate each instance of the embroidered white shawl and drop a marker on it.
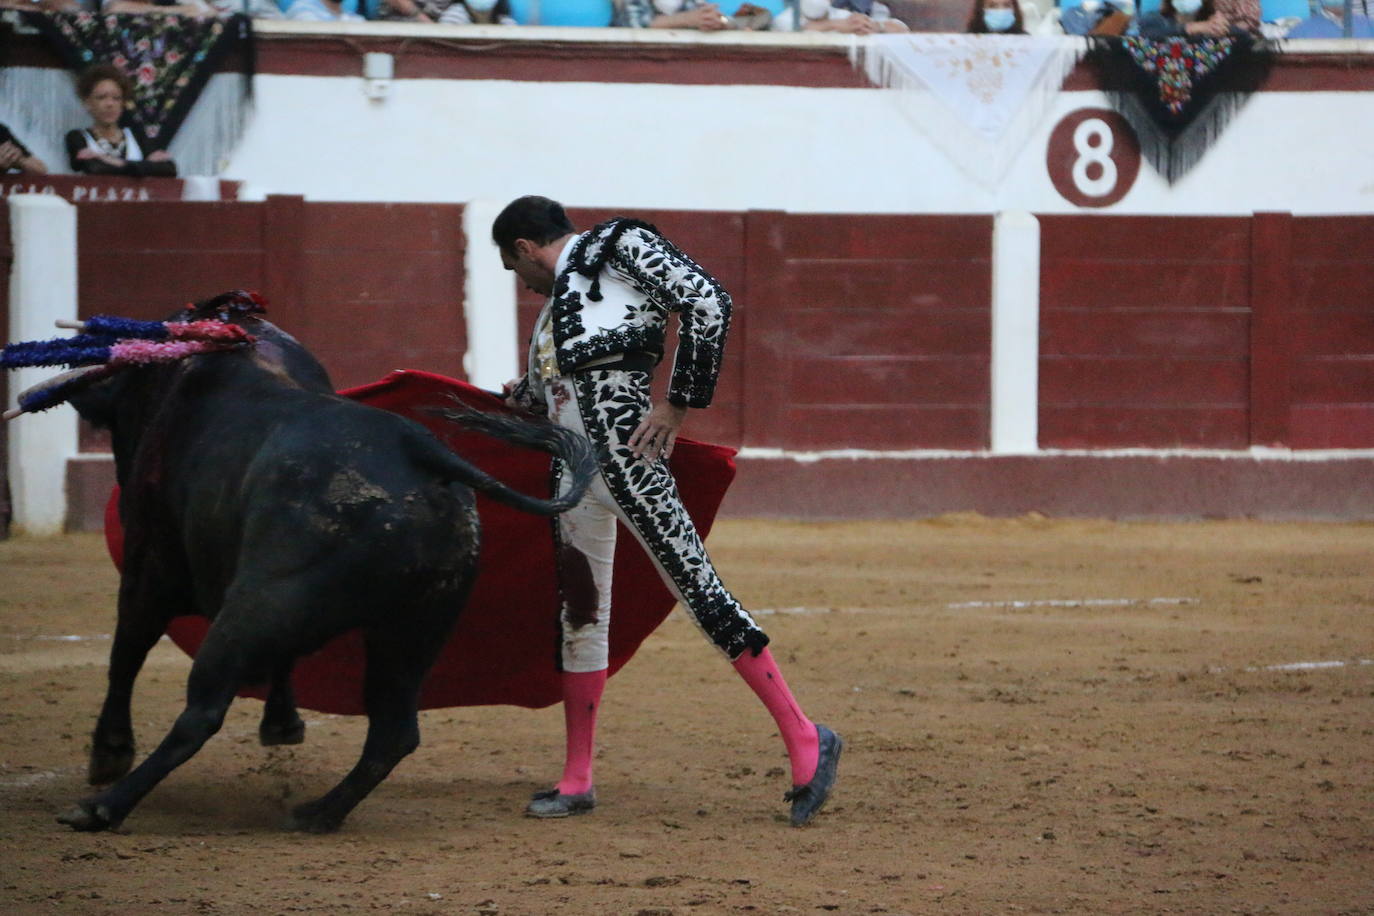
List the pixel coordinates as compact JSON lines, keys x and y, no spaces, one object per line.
{"x":977,"y":97}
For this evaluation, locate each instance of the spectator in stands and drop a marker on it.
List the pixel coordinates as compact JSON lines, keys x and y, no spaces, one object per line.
{"x":686,"y":14}
{"x":1174,"y":17}
{"x":1201,"y":19}
{"x":106,"y":148}
{"x":15,"y":156}
{"x":51,"y":6}
{"x":448,"y":12}
{"x":852,"y":17}
{"x":1328,"y":21}
{"x":258,"y":9}
{"x":1000,"y":17}
{"x":319,"y":11}
{"x":153,"y":7}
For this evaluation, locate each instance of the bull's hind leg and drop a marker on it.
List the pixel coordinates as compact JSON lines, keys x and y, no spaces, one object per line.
{"x":281,"y":724}
{"x":397,"y":661}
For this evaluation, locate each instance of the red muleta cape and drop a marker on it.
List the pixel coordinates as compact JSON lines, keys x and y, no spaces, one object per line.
{"x":504,"y":647}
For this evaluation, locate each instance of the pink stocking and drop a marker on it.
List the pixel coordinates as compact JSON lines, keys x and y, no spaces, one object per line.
{"x":581,"y":700}
{"x":761,"y":673}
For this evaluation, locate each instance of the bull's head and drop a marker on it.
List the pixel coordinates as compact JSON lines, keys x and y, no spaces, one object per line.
{"x":125,"y":368}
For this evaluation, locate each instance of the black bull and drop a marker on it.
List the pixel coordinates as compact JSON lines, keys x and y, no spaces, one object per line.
{"x":252,"y":495}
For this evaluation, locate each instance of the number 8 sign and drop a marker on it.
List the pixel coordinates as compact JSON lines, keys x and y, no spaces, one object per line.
{"x":1093,"y":157}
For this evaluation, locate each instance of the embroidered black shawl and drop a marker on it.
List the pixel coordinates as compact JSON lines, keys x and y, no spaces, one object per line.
{"x":168,"y":59}
{"x":1179,"y":94}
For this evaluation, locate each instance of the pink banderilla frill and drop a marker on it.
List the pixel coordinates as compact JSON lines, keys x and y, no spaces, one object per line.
{"x":146,"y":352}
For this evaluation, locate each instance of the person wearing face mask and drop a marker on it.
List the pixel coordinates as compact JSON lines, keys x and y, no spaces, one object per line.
{"x":106,"y":147}
{"x":850,"y":17}
{"x":1328,"y":21}
{"x":1173,"y":18}
{"x":448,"y":12}
{"x":996,"y":17}
{"x":1200,"y":19}
{"x":687,"y":14}
{"x":320,"y":11}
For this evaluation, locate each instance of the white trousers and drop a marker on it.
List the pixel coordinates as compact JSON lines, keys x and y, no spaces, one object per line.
{"x":606,"y":406}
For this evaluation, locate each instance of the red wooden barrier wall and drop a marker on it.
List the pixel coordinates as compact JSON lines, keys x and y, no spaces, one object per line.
{"x":370,"y":287}
{"x":1331,"y":326}
{"x":1207,"y":331}
{"x":1144,"y":331}
{"x":851,"y":331}
{"x":868,"y":331}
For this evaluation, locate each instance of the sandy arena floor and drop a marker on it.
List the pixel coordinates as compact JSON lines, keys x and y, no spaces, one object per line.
{"x":1200,"y":741}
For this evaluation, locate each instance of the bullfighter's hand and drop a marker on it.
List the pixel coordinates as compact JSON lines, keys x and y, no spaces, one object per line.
{"x":657,"y":432}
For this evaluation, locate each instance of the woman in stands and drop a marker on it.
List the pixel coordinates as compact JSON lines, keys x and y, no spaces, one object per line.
{"x":16,"y":158}
{"x":1200,"y":19}
{"x":106,"y":148}
{"x":850,"y":17}
{"x":996,"y":17}
{"x":448,"y":12}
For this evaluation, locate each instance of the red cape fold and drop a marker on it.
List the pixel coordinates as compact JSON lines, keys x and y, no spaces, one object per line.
{"x":504,"y":647}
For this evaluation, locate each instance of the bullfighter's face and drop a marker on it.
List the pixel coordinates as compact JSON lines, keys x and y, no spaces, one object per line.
{"x":526,"y":260}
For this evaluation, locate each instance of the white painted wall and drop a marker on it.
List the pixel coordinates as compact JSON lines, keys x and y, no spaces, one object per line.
{"x":750,"y":147}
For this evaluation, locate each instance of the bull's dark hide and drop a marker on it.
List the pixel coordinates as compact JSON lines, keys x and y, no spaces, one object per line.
{"x":253,"y":495}
{"x":495,"y":654}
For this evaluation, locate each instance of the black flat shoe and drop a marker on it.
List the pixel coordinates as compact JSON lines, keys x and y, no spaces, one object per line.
{"x":552,"y":803}
{"x":808,"y":799}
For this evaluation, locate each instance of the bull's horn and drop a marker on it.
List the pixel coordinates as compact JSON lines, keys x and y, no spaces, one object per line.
{"x":69,"y":380}
{"x":10,"y":414}
{"x":70,"y":325}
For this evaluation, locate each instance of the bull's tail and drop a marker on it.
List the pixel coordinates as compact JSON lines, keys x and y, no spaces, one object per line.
{"x":574,"y":449}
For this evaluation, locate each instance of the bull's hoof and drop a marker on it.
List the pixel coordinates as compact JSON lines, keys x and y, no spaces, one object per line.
{"x":88,"y":815}
{"x":312,"y":817}
{"x":271,"y":734}
{"x":109,"y":764}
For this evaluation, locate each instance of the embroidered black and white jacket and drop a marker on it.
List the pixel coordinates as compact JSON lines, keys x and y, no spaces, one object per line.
{"x":613,"y":296}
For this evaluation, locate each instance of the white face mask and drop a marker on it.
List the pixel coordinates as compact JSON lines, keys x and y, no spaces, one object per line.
{"x":999,"y":20}
{"x":815,"y":9}
{"x":667,"y":7}
{"x":1187,"y":7}
{"x":481,"y":6}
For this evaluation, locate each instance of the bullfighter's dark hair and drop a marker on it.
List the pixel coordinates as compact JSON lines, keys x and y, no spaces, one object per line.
{"x":531,"y":217}
{"x":98,"y":73}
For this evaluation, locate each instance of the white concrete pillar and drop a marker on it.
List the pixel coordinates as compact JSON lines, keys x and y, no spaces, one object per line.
{"x":1015,"y":333}
{"x":492,"y":358}
{"x":42,"y":290}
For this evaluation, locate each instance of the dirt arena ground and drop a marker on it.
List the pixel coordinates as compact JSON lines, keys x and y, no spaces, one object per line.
{"x":1042,"y":717}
